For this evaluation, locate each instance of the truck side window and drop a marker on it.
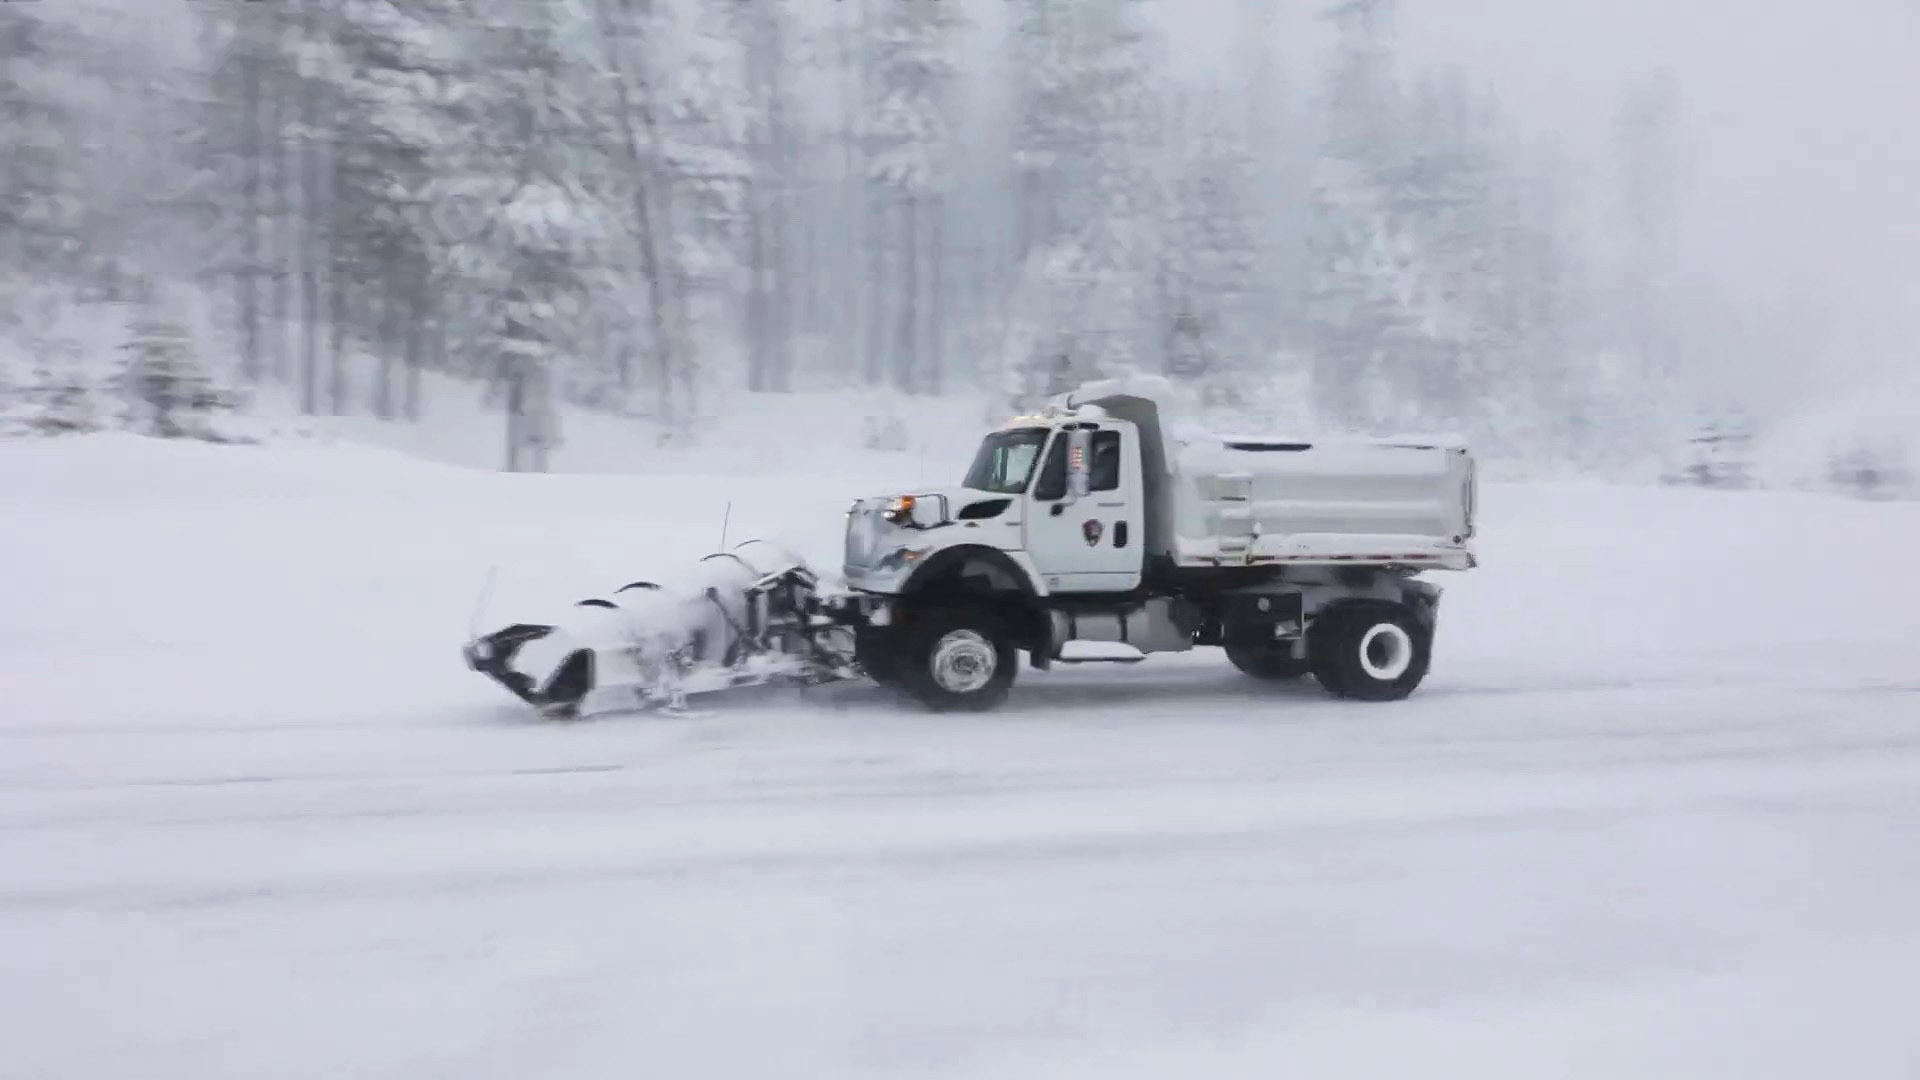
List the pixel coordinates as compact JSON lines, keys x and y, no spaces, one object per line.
{"x":1106,"y":461}
{"x":1053,"y":472}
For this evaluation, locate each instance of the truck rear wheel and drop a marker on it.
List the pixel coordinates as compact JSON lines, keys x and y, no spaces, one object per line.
{"x":957,"y":659}
{"x":1370,"y":652}
{"x":1272,"y":661}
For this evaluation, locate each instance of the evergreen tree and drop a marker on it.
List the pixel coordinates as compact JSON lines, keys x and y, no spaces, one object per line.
{"x":910,"y":144}
{"x":1209,"y":256}
{"x":1360,"y":252}
{"x":1645,"y":228}
{"x":41,"y":203}
{"x":1090,"y":132}
{"x":168,"y":392}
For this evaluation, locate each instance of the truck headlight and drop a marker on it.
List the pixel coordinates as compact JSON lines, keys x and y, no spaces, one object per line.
{"x":900,"y":510}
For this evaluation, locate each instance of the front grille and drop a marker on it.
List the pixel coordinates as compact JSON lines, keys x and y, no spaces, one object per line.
{"x":862,"y":534}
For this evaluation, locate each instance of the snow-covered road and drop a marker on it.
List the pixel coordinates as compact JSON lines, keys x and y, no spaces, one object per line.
{"x":1656,"y":813}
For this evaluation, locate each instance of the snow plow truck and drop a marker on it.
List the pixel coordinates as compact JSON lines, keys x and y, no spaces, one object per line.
{"x":1106,"y":517}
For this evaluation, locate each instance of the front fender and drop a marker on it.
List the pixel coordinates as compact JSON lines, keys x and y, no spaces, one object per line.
{"x":1008,"y":570}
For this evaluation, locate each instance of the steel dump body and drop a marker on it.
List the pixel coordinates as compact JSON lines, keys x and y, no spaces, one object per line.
{"x":1214,"y":500}
{"x":1244,"y":502}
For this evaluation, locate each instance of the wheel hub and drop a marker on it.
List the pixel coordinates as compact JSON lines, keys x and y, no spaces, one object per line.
{"x":964,"y":662}
{"x":1386,"y":652}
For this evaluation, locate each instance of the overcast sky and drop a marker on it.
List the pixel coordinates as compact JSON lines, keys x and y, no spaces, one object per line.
{"x":1803,"y":119}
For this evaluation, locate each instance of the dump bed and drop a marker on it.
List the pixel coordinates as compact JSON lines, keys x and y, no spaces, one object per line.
{"x":1239,"y":501}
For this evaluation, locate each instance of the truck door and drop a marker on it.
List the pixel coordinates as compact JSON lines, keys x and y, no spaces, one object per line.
{"x":1084,"y":528}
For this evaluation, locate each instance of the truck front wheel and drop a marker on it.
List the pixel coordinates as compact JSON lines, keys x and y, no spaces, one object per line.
{"x":957,"y":659}
{"x":1370,"y":652}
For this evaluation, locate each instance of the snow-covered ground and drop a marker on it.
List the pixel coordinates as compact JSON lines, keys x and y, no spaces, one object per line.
{"x":1655,"y":814}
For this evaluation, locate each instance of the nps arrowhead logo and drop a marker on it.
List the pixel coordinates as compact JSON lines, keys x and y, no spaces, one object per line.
{"x":1091,"y":529}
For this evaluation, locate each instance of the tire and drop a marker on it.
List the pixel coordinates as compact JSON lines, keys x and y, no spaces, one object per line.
{"x":1370,"y":652}
{"x":1269,"y":661}
{"x":957,"y":659}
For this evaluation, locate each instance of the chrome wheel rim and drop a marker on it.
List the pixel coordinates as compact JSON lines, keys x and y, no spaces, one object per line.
{"x":964,"y":662}
{"x":1386,"y":652}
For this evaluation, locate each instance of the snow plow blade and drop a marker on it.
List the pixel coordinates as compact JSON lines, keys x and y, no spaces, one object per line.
{"x":747,"y":617}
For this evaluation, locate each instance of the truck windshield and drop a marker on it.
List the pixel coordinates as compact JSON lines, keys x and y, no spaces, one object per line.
{"x":1005,"y":461}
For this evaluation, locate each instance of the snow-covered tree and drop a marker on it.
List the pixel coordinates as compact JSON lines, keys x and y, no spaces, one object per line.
{"x":910,"y":145}
{"x":1360,"y":252}
{"x":543,"y":231}
{"x":41,"y":202}
{"x":1209,"y":253}
{"x":1648,"y":161}
{"x":1089,"y":133}
{"x":168,"y":390}
{"x":766,"y":32}
{"x":392,"y":88}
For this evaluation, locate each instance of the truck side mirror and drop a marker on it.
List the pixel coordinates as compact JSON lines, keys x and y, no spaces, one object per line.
{"x":1079,"y":463}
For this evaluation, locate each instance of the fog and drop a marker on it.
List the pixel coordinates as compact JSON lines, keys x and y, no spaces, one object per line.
{"x":1575,"y":231}
{"x":1803,"y":126}
{"x":1802,"y":121}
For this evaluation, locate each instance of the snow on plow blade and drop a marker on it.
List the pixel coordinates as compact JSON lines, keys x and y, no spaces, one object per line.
{"x":744,"y":617}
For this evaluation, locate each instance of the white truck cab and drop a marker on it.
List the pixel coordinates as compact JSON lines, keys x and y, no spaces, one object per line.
{"x":1077,"y":498}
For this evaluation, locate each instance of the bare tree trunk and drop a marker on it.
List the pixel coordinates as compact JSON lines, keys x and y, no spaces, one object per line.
{"x":516,"y":414}
{"x":936,"y":296}
{"x":541,"y":430}
{"x":310,"y":229}
{"x":907,"y":352}
{"x":339,"y":312}
{"x":282,"y":211}
{"x":416,"y":329}
{"x":878,"y":367}
{"x":757,"y":294}
{"x":384,"y":308}
{"x":780,"y":291}
{"x":662,"y":304}
{"x":342,"y":298}
{"x":769,"y":345}
{"x":848,"y":341}
{"x":252,"y":150}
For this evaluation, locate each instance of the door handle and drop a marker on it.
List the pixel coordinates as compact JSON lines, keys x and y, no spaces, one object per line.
{"x":1059,"y":508}
{"x":1110,"y":506}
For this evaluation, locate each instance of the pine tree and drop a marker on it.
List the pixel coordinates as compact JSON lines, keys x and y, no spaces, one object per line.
{"x":1646,"y":222}
{"x":167,"y":391}
{"x":768,"y":36}
{"x":1209,"y":256}
{"x":41,"y":203}
{"x":390,"y":86}
{"x":910,"y":144}
{"x":65,"y":397}
{"x":543,"y":231}
{"x":1089,"y":133}
{"x":1360,"y":251}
